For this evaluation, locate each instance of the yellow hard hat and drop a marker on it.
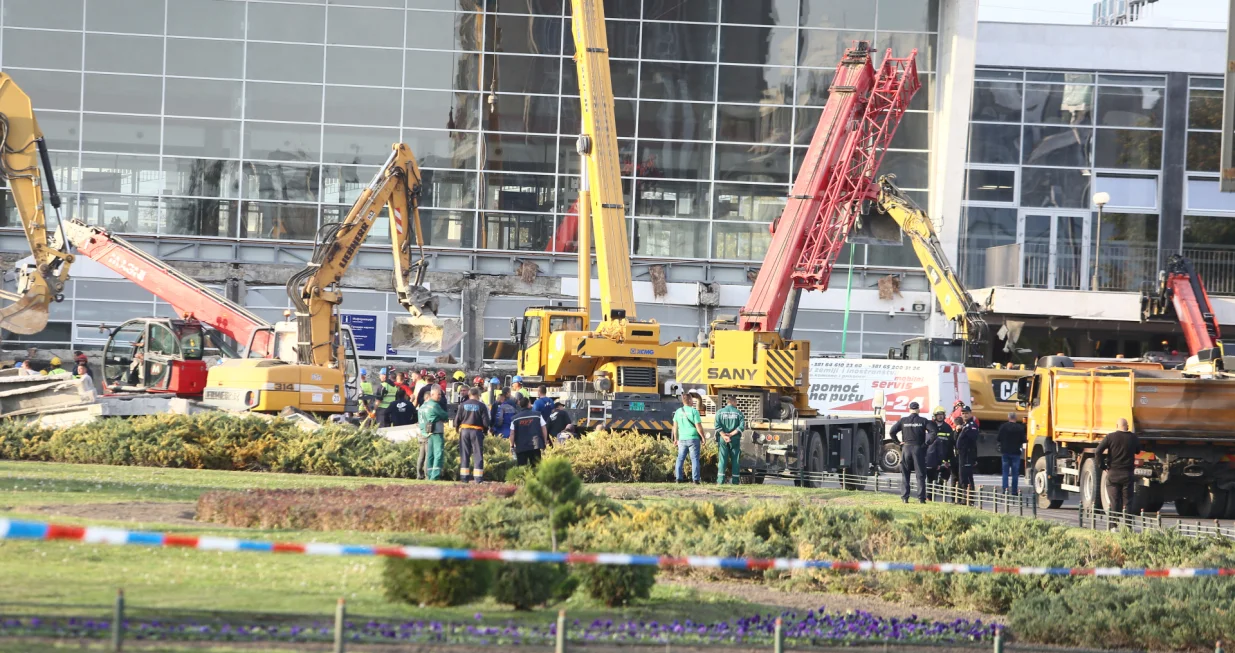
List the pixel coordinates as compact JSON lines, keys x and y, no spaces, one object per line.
{"x":459,"y":375}
{"x":939,"y":411}
{"x":55,"y":360}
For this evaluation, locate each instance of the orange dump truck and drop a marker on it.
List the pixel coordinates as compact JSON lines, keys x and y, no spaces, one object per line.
{"x":1186,"y":427}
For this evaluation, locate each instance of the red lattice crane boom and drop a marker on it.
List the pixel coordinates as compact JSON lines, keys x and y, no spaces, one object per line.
{"x":1181,"y":296}
{"x":864,"y":107}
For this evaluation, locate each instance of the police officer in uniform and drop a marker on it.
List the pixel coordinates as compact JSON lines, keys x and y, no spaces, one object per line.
{"x":913,"y":430}
{"x":472,"y":421}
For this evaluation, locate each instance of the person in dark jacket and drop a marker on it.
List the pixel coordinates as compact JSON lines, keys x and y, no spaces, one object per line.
{"x":543,"y":403}
{"x":940,"y":450}
{"x":966,"y":451}
{"x":1011,"y":440}
{"x":401,"y":411}
{"x":913,"y":430}
{"x":558,"y":421}
{"x":472,"y":421}
{"x":1116,"y":453}
{"x":528,"y":434}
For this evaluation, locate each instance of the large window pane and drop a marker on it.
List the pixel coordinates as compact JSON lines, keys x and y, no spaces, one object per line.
{"x":758,"y":163}
{"x":206,"y":18}
{"x":910,"y":15}
{"x":61,"y":130}
{"x":996,"y":101}
{"x":448,"y":189}
{"x":1204,"y":151}
{"x":677,"y":81}
{"x":1046,"y":187}
{"x":745,"y":123}
{"x":356,"y":26}
{"x":755,"y":85}
{"x":991,"y":185}
{"x":767,"y":46}
{"x":23,"y":47}
{"x":671,"y":199}
{"x":218,"y":139}
{"x":263,"y":140}
{"x":296,"y":182}
{"x":1135,"y":229}
{"x":441,"y":110}
{"x":903,"y":42}
{"x":518,"y":153}
{"x":984,"y":228}
{"x":910,"y":168}
{"x":203,"y":58}
{"x":1209,"y":232}
{"x":806,"y":121}
{"x":1204,"y":109}
{"x":675,"y":121}
{"x":368,"y":66}
{"x":209,"y":98}
{"x":675,"y":160}
{"x":1129,"y":191}
{"x":701,"y":11}
{"x":278,"y":221}
{"x":1057,"y":146}
{"x":739,"y":241}
{"x":678,"y":42}
{"x":133,"y":16}
{"x":284,"y":22}
{"x":520,"y":74}
{"x":201,"y":217}
{"x":527,"y":34}
{"x":448,"y":228}
{"x":749,"y":202}
{"x":913,"y":132}
{"x":812,"y":88}
{"x":358,"y":145}
{"x":518,"y":192}
{"x":516,"y":231}
{"x":1130,"y":106}
{"x":54,"y":14}
{"x":670,"y":238}
{"x":285,"y":63}
{"x":201,"y":177}
{"x":774,"y":12}
{"x":623,"y":74}
{"x":436,"y":30}
{"x":838,"y":13}
{"x":1070,"y":104}
{"x":50,"y":90}
{"x":124,"y":93}
{"x":821,"y":48}
{"x":521,"y":113}
{"x":120,"y":213}
{"x":362,"y":106}
{"x":124,"y":54}
{"x":129,"y":134}
{"x":118,"y":173}
{"x":439,"y":70}
{"x":343,"y":184}
{"x":442,"y":149}
{"x":1126,"y":148}
{"x":294,"y":102}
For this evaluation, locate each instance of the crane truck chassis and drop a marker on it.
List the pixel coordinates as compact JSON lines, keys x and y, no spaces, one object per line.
{"x":1187,"y":444}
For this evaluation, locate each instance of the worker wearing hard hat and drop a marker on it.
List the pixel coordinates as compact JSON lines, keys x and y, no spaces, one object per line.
{"x":940,"y":449}
{"x":56,"y":368}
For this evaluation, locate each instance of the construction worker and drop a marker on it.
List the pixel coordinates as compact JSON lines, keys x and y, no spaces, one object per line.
{"x":559,"y":422}
{"x":528,"y":434}
{"x":516,"y":388}
{"x":505,"y":410}
{"x":729,"y":424}
{"x":432,"y":424}
{"x":940,"y":449}
{"x":472,"y":421}
{"x":385,"y":397}
{"x":490,"y":397}
{"x":56,"y":367}
{"x":458,"y":389}
{"x":543,"y":404}
{"x":441,"y":381}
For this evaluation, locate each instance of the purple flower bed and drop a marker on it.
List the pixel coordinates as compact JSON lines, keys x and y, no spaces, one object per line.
{"x":815,"y":627}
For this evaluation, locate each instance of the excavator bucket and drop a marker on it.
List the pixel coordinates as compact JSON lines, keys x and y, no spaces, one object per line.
{"x":426,"y":333}
{"x":28,"y":312}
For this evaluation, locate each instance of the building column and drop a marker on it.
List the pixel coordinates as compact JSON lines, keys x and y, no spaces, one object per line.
{"x":949,"y":136}
{"x":473,"y":296}
{"x":1174,"y":138}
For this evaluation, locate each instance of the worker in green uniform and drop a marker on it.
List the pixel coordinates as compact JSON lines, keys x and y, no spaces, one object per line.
{"x":56,"y":367}
{"x":433,"y":424}
{"x":385,"y":397}
{"x":730,"y":422}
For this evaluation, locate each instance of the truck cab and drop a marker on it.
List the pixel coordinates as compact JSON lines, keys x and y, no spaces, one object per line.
{"x":162,"y":356}
{"x":948,"y":350}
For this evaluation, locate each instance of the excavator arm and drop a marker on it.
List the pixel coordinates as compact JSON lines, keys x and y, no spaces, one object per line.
{"x":42,"y":282}
{"x":1181,"y":296}
{"x":315,"y":290}
{"x":951,"y":294}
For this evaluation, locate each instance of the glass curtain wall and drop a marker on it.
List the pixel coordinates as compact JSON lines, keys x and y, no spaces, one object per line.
{"x":1209,"y":215}
{"x":1041,"y":144}
{"x":246,"y":119}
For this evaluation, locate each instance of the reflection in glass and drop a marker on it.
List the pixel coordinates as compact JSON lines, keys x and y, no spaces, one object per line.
{"x":441,"y":110}
{"x":447,"y":228}
{"x":52,"y":90}
{"x":201,"y":177}
{"x":1204,"y":109}
{"x":1204,"y":150}
{"x":442,"y":149}
{"x":674,"y":160}
{"x":996,"y":101}
{"x":278,"y":221}
{"x":903,"y":42}
{"x":1130,"y":106}
{"x":806,"y":122}
{"x":201,"y":217}
{"x":812,"y":89}
{"x":520,"y":153}
{"x":448,"y":189}
{"x":204,"y":58}
{"x":218,"y":139}
{"x":135,"y":134}
{"x":675,"y":121}
{"x":737,"y":241}
{"x":343,"y":184}
{"x":753,"y":124}
{"x":1127,"y":148}
{"x":296,"y":182}
{"x":1070,"y":104}
{"x":294,"y":102}
{"x":282,"y":62}
{"x":519,"y":113}
{"x":984,"y":228}
{"x":358,"y":145}
{"x":516,"y":74}
{"x":679,"y":42}
{"x":823,"y":48}
{"x":1057,"y":146}
{"x":677,"y":81}
{"x":518,"y":192}
{"x":765,"y":46}
{"x":355,"y":105}
{"x":769,"y":12}
{"x":700,"y":11}
{"x":670,"y":238}
{"x":124,"y":93}
{"x":913,"y":132}
{"x":671,"y":199}
{"x":516,"y":231}
{"x":910,"y":168}
{"x":208,"y":98}
{"x":118,"y":173}
{"x":1055,"y":187}
{"x":758,"y":163}
{"x":749,"y":202}
{"x":282,"y":142}
{"x":991,"y":185}
{"x":756,"y":85}
{"x":120,"y":213}
{"x":375,"y":67}
{"x":838,"y":13}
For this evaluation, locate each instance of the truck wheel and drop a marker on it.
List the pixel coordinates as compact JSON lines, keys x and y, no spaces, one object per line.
{"x":1212,"y":504}
{"x":861,"y":462}
{"x":1154,"y":497}
{"x":1091,"y":485}
{"x":812,"y":464}
{"x":1041,"y":486}
{"x":1185,"y":507}
{"x":890,"y":458}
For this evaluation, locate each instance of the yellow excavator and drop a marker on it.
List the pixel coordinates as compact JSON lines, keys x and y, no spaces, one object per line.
{"x":609,"y":373}
{"x":323,"y":377}
{"x":41,"y":282}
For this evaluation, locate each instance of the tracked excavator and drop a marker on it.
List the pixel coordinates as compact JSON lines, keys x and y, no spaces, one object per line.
{"x":608,"y":375}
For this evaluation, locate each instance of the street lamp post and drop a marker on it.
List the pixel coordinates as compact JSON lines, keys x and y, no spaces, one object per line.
{"x":1099,"y":199}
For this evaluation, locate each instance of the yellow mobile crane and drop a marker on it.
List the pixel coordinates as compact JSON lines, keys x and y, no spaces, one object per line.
{"x":42,"y":282}
{"x":323,"y":377}
{"x":610,"y":370}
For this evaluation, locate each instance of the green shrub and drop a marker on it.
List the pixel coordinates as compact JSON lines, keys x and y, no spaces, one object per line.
{"x":526,"y":585}
{"x":436,"y":582}
{"x":618,"y":457}
{"x":617,"y":586}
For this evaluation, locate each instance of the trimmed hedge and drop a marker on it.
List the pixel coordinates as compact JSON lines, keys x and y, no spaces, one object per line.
{"x":436,"y":582}
{"x":630,"y":457}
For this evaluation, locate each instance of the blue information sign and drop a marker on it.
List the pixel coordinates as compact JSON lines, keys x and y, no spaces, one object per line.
{"x":364,"y":329}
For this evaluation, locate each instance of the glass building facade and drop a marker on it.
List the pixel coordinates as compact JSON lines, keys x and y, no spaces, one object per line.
{"x":247,"y":121}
